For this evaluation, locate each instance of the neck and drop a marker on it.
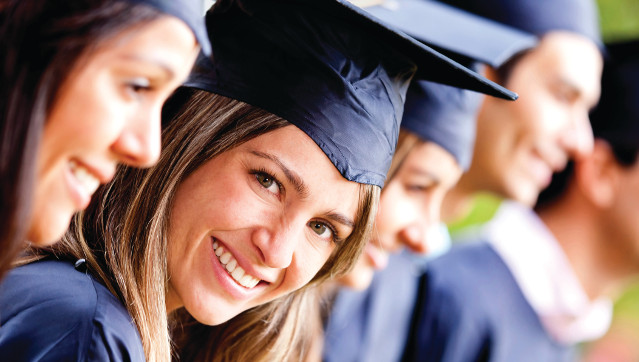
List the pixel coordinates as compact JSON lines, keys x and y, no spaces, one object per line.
{"x":595,"y":260}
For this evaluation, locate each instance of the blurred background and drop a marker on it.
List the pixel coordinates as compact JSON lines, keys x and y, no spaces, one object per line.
{"x":619,"y":21}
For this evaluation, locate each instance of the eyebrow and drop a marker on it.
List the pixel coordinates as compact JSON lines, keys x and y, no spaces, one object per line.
{"x":291,"y":176}
{"x":428,"y":174}
{"x":341,"y":219}
{"x":159,"y":63}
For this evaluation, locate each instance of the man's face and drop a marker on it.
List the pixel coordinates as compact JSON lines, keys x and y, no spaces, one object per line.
{"x":520,"y":144}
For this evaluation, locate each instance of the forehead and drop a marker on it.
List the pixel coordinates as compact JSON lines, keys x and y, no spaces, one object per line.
{"x":567,"y":58}
{"x":431,"y":158}
{"x":165,"y":39}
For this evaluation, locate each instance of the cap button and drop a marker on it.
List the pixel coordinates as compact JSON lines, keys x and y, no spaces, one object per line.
{"x":80,"y":265}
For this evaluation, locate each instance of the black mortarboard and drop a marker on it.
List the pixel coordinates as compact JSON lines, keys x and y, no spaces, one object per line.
{"x":189,"y":11}
{"x":438,"y":113}
{"x":449,"y":29}
{"x":616,"y":117}
{"x":539,"y":16}
{"x":329,"y":68}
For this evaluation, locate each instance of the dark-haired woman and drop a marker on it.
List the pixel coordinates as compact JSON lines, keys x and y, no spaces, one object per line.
{"x":83,"y":83}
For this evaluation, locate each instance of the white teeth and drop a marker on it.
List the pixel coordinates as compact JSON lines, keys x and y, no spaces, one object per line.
{"x":224,"y":259}
{"x":88,"y":182}
{"x":219,"y":251}
{"x":231,"y":266}
{"x":236,"y":271}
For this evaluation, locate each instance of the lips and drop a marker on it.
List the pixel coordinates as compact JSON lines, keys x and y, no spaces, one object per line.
{"x":376,"y":257}
{"x":236,"y":272}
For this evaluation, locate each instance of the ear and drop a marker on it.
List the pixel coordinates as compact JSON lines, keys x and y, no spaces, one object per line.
{"x":597,"y":175}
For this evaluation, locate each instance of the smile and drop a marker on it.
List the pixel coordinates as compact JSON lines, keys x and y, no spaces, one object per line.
{"x":87,"y":181}
{"x":235,"y":271}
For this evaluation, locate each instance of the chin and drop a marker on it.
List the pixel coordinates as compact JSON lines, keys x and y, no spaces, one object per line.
{"x":357,"y":279}
{"x":527,"y":197}
{"x":49,"y":232}
{"x":211,"y":319}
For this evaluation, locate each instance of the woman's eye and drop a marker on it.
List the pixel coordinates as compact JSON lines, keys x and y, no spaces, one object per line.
{"x":321,"y":229}
{"x":418,"y":188}
{"x":138,"y":85}
{"x":268,"y":182}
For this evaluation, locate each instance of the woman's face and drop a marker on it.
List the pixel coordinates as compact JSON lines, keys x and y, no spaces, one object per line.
{"x":409,"y":207}
{"x":255,"y":223}
{"x":107,"y":112}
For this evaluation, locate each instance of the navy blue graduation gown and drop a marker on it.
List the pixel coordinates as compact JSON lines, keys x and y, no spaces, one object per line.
{"x":49,"y":311}
{"x":372,"y":325}
{"x":470,"y":308}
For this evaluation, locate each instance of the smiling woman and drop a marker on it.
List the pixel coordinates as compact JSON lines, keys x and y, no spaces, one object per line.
{"x":83,"y":83}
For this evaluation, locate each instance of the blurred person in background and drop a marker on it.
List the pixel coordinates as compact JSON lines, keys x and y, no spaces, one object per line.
{"x":519,"y":145}
{"x":550,"y":288}
{"x":83,"y":84}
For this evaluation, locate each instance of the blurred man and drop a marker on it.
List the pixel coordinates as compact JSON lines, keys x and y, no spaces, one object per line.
{"x":520,"y":144}
{"x":534,"y":296}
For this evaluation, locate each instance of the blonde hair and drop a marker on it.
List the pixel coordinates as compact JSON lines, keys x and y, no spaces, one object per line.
{"x":123,"y":234}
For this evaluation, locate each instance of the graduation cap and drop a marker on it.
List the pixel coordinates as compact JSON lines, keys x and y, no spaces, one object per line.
{"x":616,"y":117}
{"x":438,"y":113}
{"x":189,"y":11}
{"x":455,"y":31}
{"x":539,"y":16}
{"x":329,"y":68}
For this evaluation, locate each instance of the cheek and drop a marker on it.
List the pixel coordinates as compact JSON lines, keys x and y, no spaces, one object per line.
{"x":397,"y":212}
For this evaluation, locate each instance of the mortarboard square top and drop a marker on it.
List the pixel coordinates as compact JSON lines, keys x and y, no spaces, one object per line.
{"x":453,"y":30}
{"x":330,"y":69}
{"x":539,"y":16}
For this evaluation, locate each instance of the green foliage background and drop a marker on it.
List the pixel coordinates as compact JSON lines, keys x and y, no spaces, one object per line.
{"x":619,"y":19}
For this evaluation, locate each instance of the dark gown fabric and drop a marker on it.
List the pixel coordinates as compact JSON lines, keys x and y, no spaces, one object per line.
{"x":373,"y":325}
{"x":49,"y":311}
{"x":470,"y":308}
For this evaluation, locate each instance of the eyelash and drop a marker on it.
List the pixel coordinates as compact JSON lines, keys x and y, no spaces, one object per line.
{"x":336,"y":239}
{"x":419,"y":188}
{"x":138,"y":86}
{"x":263,"y":171}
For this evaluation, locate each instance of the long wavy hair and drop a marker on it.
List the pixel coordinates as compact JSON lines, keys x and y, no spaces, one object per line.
{"x":123,"y":233}
{"x":41,"y":42}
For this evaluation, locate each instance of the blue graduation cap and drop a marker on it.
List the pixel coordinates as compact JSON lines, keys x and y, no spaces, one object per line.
{"x":616,"y":117}
{"x":438,"y":113}
{"x":539,"y":16}
{"x":189,"y":11}
{"x":329,"y":68}
{"x":449,"y":29}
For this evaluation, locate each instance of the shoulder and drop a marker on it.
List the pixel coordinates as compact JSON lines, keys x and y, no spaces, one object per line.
{"x":50,"y":310}
{"x":467,"y":270}
{"x":453,"y":318}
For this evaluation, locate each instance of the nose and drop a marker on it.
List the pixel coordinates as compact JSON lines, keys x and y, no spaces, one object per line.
{"x":415,"y":235}
{"x":276,"y":245}
{"x":578,"y":140}
{"x":139,"y":142}
{"x":414,"y":238}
